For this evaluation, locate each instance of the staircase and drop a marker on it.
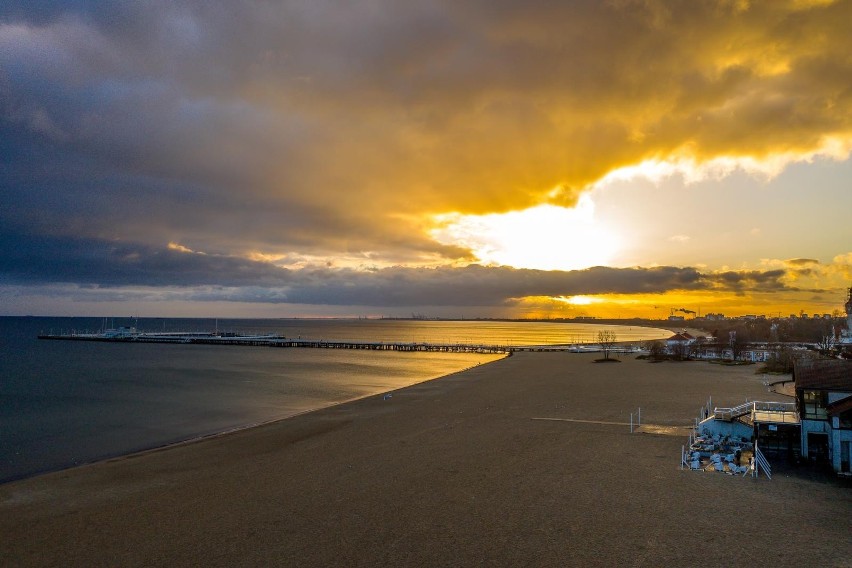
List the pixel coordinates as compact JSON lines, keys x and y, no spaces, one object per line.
{"x":729,"y":414}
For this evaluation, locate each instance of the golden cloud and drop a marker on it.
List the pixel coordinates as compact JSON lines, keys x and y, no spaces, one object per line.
{"x":502,"y":104}
{"x":306,"y":129}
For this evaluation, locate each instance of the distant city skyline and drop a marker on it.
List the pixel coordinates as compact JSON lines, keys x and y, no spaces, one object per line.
{"x":531,"y":160}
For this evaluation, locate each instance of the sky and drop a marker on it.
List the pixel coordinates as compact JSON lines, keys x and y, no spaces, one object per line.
{"x":622,"y":158}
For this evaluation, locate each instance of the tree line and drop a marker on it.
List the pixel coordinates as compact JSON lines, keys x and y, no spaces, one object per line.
{"x":729,"y":339}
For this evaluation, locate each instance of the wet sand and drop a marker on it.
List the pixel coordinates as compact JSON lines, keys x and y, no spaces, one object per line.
{"x":460,"y":471}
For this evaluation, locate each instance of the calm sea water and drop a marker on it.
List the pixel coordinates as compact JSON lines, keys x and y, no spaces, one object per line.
{"x":67,"y":403}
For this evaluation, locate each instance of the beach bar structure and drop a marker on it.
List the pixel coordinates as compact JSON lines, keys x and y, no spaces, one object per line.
{"x":755,"y":429}
{"x":816,"y":427}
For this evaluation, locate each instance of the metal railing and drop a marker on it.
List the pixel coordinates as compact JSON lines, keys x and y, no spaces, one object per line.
{"x":761,"y":463}
{"x":731,"y":413}
{"x":775,"y":406}
{"x":749,"y":407}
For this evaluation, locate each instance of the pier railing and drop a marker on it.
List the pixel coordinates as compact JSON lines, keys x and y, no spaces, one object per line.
{"x":283,"y":342}
{"x":211,"y":338}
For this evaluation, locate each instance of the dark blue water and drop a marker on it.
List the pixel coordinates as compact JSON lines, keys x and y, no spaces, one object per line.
{"x":64,"y":403}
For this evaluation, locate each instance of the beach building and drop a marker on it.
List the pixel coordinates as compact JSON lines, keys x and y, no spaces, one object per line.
{"x":681,"y":345}
{"x":679,"y":340}
{"x":824,"y":402}
{"x":764,"y":430}
{"x":817,"y":426}
{"x":756,"y":353}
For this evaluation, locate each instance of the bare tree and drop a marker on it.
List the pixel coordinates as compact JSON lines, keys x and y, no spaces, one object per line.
{"x":681,"y":350}
{"x":826,"y":342}
{"x":780,"y":359}
{"x":737,"y":343}
{"x":607,"y":340}
{"x":656,"y":350}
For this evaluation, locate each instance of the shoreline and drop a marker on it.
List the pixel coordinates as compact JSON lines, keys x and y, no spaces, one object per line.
{"x":233,"y":430}
{"x":455,"y":471}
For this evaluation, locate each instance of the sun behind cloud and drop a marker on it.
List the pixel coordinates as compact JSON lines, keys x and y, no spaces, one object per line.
{"x":545,"y":237}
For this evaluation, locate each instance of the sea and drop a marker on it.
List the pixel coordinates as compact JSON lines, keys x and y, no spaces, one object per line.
{"x":67,"y":403}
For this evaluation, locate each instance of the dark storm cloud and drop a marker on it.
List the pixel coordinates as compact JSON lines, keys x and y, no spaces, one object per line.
{"x":481,"y":286}
{"x":750,"y":280}
{"x":41,"y":259}
{"x":801,"y":261}
{"x":116,"y":266}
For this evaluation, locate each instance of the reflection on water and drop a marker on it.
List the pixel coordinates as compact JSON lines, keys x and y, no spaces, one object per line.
{"x":480,"y":332}
{"x":65,"y":403}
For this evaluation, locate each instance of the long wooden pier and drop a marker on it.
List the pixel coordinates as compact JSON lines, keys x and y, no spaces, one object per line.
{"x":279,"y":341}
{"x":131,"y":335}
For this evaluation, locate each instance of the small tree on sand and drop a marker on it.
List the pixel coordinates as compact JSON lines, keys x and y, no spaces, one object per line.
{"x":607,"y":340}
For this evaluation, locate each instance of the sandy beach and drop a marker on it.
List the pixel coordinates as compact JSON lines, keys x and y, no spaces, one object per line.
{"x":527,"y":461}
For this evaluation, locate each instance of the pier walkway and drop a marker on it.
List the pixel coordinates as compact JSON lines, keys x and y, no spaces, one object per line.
{"x":206,"y":338}
{"x":278,"y":341}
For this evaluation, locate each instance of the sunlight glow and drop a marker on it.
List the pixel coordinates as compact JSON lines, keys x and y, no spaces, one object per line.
{"x":580,"y":300}
{"x":259,"y":256}
{"x":694,"y":170}
{"x":179,"y":247}
{"x":546,"y":237}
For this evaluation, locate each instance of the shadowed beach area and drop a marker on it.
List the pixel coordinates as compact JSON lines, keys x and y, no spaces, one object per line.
{"x":527,"y":461}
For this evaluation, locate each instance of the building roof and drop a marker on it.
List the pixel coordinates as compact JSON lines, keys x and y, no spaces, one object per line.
{"x":682,"y":336}
{"x":839,"y":407}
{"x":825,"y":374}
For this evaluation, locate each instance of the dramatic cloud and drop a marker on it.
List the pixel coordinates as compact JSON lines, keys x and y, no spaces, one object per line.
{"x":752,"y":280}
{"x":332,"y":128}
{"x":325,"y":133}
{"x":112,"y":266}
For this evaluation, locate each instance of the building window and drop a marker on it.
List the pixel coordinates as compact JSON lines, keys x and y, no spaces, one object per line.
{"x":815,"y":403}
